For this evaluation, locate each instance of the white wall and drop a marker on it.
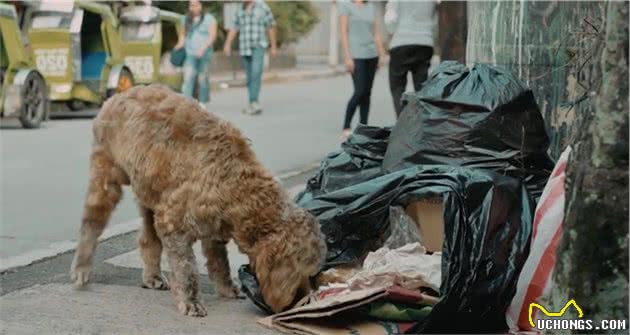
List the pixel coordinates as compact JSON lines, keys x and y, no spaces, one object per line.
{"x":317,"y":42}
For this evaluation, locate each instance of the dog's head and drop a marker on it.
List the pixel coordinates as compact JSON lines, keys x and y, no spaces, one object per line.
{"x":288,"y":258}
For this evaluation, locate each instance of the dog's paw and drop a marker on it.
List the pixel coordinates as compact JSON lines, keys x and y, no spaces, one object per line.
{"x":80,"y":275}
{"x":156,"y":282}
{"x":231,"y":292}
{"x":192,"y":309}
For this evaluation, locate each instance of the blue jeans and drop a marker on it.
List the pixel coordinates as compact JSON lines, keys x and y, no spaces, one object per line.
{"x":197,"y":71}
{"x":253,"y":66}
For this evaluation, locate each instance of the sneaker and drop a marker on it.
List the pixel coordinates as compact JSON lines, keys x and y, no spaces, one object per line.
{"x":255,"y":109}
{"x":345,"y":134}
{"x":204,"y":105}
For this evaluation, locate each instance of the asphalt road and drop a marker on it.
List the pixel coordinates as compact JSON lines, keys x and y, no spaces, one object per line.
{"x":44,"y":172}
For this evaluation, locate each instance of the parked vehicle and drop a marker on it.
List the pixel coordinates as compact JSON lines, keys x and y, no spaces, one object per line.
{"x":23,"y":92}
{"x":143,"y":30}
{"x":77,"y":47}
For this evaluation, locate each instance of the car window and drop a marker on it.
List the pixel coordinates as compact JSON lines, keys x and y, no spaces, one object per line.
{"x":139,"y":14}
{"x":51,"y":20}
{"x":138,"y":31}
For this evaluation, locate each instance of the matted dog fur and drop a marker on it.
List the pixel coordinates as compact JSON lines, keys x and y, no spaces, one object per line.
{"x":195,"y":177}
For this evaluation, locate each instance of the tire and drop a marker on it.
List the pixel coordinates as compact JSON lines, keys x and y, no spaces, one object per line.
{"x":125,"y":82}
{"x":34,"y":101}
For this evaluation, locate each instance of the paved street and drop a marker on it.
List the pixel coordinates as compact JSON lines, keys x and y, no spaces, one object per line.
{"x":44,"y":172}
{"x":44,"y":176}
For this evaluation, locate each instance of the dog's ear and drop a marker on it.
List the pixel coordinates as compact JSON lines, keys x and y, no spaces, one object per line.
{"x":278,"y":276}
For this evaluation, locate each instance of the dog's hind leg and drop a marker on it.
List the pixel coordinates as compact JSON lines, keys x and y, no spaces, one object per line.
{"x":104,"y":192}
{"x":151,"y":252}
{"x":184,"y":278}
{"x":219,"y":267}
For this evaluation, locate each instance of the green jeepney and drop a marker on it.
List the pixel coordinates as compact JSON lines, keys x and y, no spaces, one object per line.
{"x":143,"y":29}
{"x":23,"y":92}
{"x":77,"y":47}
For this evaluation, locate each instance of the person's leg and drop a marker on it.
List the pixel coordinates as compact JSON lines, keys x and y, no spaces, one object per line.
{"x":397,"y":76}
{"x":358,"y":81}
{"x":190,"y":75}
{"x":203,"y":77}
{"x":370,"y":70}
{"x":420,"y":67}
{"x":258,"y":57}
{"x":247,"y":67}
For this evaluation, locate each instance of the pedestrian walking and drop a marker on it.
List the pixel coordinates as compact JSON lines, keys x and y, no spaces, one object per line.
{"x":411,"y":46}
{"x":256,"y":27}
{"x":200,"y":31}
{"x":363,"y":53}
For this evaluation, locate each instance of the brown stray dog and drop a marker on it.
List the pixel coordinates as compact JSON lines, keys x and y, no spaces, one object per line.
{"x":195,"y":177}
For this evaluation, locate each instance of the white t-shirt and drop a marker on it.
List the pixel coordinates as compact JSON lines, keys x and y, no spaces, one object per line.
{"x":410,"y":22}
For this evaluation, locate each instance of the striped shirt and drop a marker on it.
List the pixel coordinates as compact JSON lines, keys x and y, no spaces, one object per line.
{"x":252,"y":26}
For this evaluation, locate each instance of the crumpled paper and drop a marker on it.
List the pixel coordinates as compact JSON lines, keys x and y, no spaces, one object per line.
{"x":408,"y":266}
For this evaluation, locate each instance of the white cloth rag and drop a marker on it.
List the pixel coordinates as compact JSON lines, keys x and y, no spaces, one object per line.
{"x":408,"y":266}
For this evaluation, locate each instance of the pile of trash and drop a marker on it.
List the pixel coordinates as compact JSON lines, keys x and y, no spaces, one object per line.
{"x":428,"y":223}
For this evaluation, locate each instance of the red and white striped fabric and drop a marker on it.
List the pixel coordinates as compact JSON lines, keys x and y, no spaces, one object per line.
{"x":535,"y":278}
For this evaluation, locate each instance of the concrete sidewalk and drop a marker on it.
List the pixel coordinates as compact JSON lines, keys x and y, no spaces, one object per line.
{"x":302,"y":72}
{"x":117,"y":309}
{"x":114,"y":302}
{"x":109,"y":305}
{"x":41,"y":299}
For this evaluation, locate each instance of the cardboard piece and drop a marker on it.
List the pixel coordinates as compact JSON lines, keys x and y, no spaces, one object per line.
{"x":343,"y":325}
{"x":335,"y":314}
{"x":429,"y":216}
{"x":338,"y":274}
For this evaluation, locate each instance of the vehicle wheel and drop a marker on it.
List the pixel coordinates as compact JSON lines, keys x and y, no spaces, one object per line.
{"x":125,"y":82}
{"x":34,"y":101}
{"x":76,"y":105}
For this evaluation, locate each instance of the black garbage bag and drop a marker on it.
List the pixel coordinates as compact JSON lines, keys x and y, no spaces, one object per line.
{"x":488,"y":219}
{"x":484,"y":117}
{"x":359,"y":159}
{"x":476,"y":139}
{"x":249,"y":286}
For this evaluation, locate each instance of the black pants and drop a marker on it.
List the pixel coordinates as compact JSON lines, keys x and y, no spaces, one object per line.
{"x":402,"y":60}
{"x":362,"y":79}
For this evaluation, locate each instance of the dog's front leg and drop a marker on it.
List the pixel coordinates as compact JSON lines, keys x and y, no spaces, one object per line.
{"x":104,"y":192}
{"x":151,"y":252}
{"x":184,"y":277}
{"x":219,"y":267}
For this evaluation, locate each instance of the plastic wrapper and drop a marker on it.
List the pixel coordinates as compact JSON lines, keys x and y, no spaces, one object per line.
{"x":402,"y":229}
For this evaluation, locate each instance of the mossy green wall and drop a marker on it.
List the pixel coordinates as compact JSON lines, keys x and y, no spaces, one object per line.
{"x":552,"y":46}
{"x":574,"y":56}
